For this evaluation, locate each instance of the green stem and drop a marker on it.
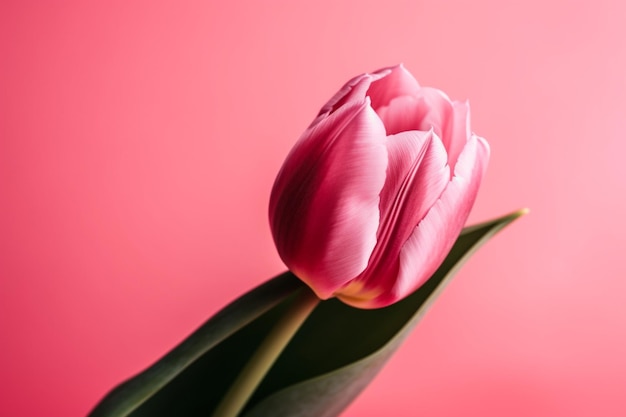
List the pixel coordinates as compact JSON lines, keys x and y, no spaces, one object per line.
{"x":267,"y":353}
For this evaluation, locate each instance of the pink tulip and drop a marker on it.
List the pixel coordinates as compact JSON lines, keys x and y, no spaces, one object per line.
{"x":375,"y":192}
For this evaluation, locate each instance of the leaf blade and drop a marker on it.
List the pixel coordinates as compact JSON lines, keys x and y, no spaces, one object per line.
{"x":131,"y":394}
{"x":329,"y":393}
{"x":208,"y":361}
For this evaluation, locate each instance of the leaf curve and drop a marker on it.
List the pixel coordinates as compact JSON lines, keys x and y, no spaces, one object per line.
{"x":317,"y":393}
{"x":322,"y":361}
{"x":129,"y":395}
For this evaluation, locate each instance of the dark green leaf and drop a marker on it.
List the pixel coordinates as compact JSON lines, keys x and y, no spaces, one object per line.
{"x":129,"y":395}
{"x":340,"y":349}
{"x":335,"y":354}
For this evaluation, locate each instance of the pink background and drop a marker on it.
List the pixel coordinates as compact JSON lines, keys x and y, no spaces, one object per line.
{"x":139,"y":142}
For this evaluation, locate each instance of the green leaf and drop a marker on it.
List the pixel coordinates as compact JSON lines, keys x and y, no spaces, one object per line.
{"x":129,"y":395}
{"x":339,"y":350}
{"x":333,"y":356}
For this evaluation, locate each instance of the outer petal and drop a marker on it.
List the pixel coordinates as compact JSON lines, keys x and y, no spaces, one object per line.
{"x":353,"y":91}
{"x":433,"y":238}
{"x":417,"y":174}
{"x":324,"y":206}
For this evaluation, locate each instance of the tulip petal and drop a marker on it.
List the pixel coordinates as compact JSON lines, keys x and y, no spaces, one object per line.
{"x":417,"y":174}
{"x":324,"y":208}
{"x":436,"y":112}
{"x":459,"y":132}
{"x":429,"y":109}
{"x":432,"y":239}
{"x":353,"y":90}
{"x":395,"y":82}
{"x":401,"y":114}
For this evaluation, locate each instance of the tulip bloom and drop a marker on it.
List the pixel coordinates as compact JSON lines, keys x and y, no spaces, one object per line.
{"x":375,"y":192}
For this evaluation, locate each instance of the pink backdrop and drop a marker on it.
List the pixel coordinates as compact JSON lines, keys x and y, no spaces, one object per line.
{"x":139,"y":142}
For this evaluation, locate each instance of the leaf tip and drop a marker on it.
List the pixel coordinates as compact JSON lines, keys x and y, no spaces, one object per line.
{"x":511,"y":217}
{"x":515,"y":215}
{"x":499,"y":221}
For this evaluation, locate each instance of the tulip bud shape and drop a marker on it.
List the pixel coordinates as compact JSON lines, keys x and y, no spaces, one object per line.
{"x":376,"y":191}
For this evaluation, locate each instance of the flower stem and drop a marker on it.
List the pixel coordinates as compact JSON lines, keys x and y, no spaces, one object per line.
{"x":262,"y":360}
